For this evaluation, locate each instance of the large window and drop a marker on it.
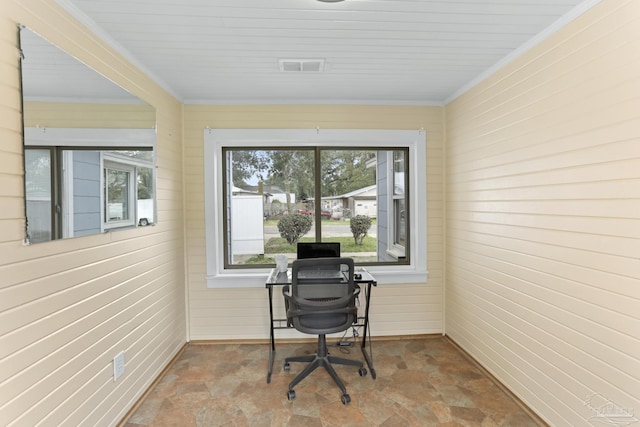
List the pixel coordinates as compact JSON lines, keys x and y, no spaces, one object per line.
{"x":266,"y":190}
{"x":278,"y":197}
{"x":84,"y":187}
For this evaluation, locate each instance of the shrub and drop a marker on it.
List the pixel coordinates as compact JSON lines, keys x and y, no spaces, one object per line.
{"x":292,"y":227}
{"x":360,"y":225}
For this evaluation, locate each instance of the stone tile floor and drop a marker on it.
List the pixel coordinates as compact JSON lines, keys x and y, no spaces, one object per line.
{"x":420,"y":382}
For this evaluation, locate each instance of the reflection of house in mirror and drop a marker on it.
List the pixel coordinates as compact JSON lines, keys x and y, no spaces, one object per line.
{"x":100,"y":189}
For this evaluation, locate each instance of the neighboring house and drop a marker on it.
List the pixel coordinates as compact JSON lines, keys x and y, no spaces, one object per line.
{"x":271,"y":194}
{"x":363,"y":201}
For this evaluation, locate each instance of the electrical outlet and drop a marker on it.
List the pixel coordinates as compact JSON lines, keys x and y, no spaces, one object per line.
{"x":118,"y":366}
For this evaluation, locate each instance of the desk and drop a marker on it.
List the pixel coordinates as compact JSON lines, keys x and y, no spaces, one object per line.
{"x":277,"y":278}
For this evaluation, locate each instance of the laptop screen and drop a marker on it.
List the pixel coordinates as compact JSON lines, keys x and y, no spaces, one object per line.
{"x":318,"y":250}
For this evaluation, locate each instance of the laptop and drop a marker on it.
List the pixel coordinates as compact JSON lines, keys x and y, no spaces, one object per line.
{"x":319,"y":250}
{"x":320,"y":274}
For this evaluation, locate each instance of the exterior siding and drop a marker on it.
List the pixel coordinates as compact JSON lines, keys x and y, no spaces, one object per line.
{"x":543,"y":218}
{"x":68,"y":307}
{"x":397,"y":309}
{"x":86,"y":189}
{"x":383,"y":207}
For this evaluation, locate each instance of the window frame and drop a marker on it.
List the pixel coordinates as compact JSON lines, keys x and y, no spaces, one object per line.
{"x":217,"y":276}
{"x":112,"y":165}
{"x":397,"y":250}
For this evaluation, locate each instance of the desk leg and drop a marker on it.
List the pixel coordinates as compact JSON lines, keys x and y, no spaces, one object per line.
{"x":364,"y":334}
{"x":272,"y":347}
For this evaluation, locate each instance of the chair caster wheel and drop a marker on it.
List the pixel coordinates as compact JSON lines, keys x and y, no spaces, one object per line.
{"x":345,"y":399}
{"x":286,"y":367}
{"x":291,"y":395}
{"x":362,"y":372}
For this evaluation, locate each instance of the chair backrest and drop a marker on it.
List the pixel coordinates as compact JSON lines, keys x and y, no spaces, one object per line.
{"x":322,"y":295}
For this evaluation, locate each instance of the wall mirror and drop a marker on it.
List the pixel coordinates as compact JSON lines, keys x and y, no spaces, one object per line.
{"x":89,"y":148}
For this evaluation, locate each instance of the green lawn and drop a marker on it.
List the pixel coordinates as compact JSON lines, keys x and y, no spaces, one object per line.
{"x":278,"y":245}
{"x":274,"y":222}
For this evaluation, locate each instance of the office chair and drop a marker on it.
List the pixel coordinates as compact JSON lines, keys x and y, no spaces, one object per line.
{"x":322,"y":300}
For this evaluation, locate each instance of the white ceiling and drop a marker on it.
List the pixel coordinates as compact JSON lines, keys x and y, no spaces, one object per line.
{"x":375,"y":51}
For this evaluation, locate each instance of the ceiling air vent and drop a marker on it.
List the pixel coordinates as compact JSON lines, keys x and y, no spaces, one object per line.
{"x":302,"y":65}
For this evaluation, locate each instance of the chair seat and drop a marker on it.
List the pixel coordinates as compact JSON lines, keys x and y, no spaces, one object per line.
{"x":323,"y":321}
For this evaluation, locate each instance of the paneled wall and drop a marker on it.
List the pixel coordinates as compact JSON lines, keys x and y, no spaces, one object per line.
{"x":243,"y":313}
{"x":541,"y":163}
{"x":70,"y":115}
{"x":68,"y":307}
{"x":543,"y":219}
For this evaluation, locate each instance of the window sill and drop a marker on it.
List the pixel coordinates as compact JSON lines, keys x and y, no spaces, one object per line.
{"x":257,"y":279}
{"x":396,"y":253}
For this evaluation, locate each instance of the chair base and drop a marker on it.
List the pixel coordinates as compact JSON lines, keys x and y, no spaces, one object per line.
{"x":324,"y":359}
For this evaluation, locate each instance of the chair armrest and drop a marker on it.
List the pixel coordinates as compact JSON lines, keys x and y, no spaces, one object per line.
{"x":286,"y":291}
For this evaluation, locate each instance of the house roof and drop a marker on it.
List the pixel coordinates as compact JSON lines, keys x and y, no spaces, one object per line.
{"x":271,"y":189}
{"x":360,"y":192}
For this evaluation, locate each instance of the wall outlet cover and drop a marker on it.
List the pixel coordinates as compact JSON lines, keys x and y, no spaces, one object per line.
{"x":118,"y":366}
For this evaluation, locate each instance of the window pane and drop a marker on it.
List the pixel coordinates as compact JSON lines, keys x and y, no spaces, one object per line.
{"x":145,"y":203}
{"x":400,"y":223}
{"x":268,"y":204}
{"x":398,"y":172}
{"x":271,"y":203}
{"x":117,"y":195}
{"x":400,"y":211}
{"x":142,"y":161}
{"x":38,"y":194}
{"x":350,"y":201}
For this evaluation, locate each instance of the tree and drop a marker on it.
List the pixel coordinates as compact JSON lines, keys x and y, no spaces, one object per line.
{"x":344,"y":171}
{"x":145,"y":183}
{"x":245,"y":164}
{"x":360,"y":225}
{"x":292,"y":227}
{"x":290,"y":170}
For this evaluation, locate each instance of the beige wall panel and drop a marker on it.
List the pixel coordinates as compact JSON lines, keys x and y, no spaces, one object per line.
{"x":10,"y":164}
{"x":70,"y":306}
{"x":75,"y":115}
{"x":23,"y":328}
{"x":26,"y":365}
{"x":12,"y":142}
{"x":165,"y":342}
{"x":563,"y":308}
{"x":397,"y":309}
{"x":543,"y":218}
